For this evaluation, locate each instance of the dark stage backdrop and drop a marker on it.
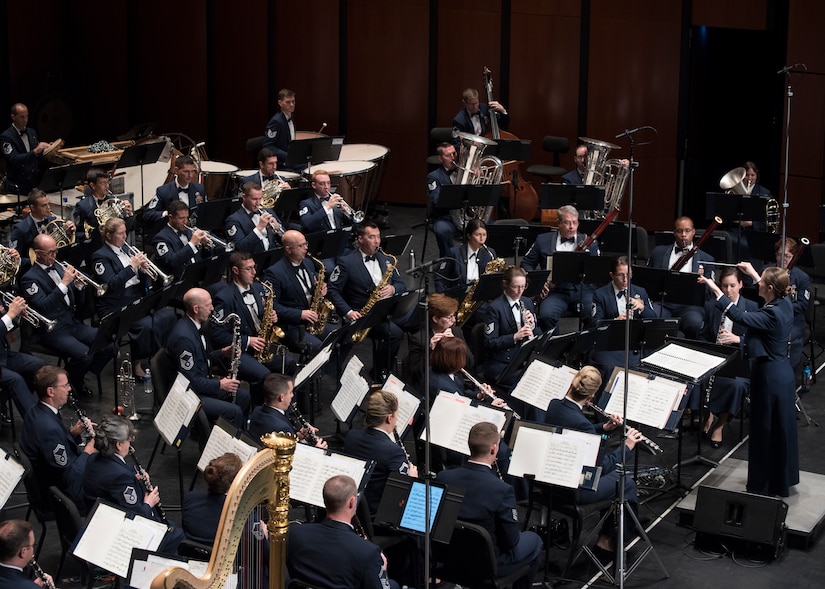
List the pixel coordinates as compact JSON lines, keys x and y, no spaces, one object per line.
{"x":386,"y":73}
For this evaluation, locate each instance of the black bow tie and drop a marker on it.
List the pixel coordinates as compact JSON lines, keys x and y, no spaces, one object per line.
{"x":186,"y":190}
{"x":621,"y":293}
{"x":50,"y":268}
{"x":267,"y":178}
{"x":681,"y":250}
{"x":567,"y":239}
{"x":253,"y":214}
{"x":369,"y":258}
{"x":247,"y":293}
{"x":475,"y":114}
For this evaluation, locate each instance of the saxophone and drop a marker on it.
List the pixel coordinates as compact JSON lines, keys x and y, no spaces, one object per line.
{"x":375,"y":296}
{"x":235,"y":364}
{"x":269,"y":332}
{"x":468,"y":306}
{"x":319,"y":304}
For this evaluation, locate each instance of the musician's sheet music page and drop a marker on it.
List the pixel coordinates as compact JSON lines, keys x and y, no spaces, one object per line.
{"x":681,"y":360}
{"x":110,"y":536}
{"x":315,"y":364}
{"x":220,"y":442}
{"x":311,"y":468}
{"x":451,"y":418}
{"x":352,"y":391}
{"x":177,"y":410}
{"x":649,"y":401}
{"x":553,"y":458}
{"x":11,"y":472}
{"x":541,"y":383}
{"x":408,"y":403}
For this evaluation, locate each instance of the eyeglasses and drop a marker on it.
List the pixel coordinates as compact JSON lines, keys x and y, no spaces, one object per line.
{"x":65,"y":385}
{"x":47,"y":252}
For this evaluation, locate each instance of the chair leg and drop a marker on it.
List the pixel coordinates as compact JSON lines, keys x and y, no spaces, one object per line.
{"x":574,"y":545}
{"x":42,"y":538}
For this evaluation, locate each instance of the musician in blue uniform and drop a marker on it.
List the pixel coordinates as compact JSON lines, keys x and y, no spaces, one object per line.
{"x":610,"y":303}
{"x":17,"y":547}
{"x":22,"y":150}
{"x":491,"y":503}
{"x":567,"y":413}
{"x":267,"y":170}
{"x":110,"y":478}
{"x":467,"y":262}
{"x":773,"y":453}
{"x":801,"y":283}
{"x":57,"y":295}
{"x":277,"y":415}
{"x":474,"y":117}
{"x":330,"y":553}
{"x":177,"y":245}
{"x":252,"y":228}
{"x":356,"y":277}
{"x":295,"y":281}
{"x":24,"y":232}
{"x":280,"y":130}
{"x":84,"y":210}
{"x":725,"y":398}
{"x":576,"y":175}
{"x":377,"y":442}
{"x":191,"y":348}
{"x":322,"y":211}
{"x":182,"y":188}
{"x":506,"y":325}
{"x":444,"y":225}
{"x":16,"y":368}
{"x":665,"y":257}
{"x":561,"y":296}
{"x":51,"y":447}
{"x":201,"y":510}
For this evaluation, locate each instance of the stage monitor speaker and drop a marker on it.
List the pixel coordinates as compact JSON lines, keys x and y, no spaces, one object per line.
{"x":739,"y":521}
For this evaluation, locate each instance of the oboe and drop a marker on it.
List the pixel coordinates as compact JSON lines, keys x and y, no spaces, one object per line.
{"x":41,"y":574}
{"x":143,"y":476}
{"x":87,"y":424}
{"x":305,"y":425}
{"x":653,"y":446}
{"x":487,"y":392}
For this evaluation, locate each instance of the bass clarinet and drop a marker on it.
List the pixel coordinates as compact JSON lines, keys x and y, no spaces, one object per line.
{"x":235,"y":363}
{"x":650,"y":444}
{"x":143,"y":477}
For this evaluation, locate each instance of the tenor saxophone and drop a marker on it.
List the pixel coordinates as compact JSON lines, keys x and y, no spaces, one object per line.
{"x":269,"y":332}
{"x":468,"y":306}
{"x":321,"y":306}
{"x":375,"y":296}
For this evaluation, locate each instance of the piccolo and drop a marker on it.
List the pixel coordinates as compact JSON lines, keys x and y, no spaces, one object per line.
{"x":87,"y":423}
{"x":143,"y":476}
{"x":311,"y":437}
{"x":480,"y":386}
{"x":41,"y":574}
{"x":652,"y":446}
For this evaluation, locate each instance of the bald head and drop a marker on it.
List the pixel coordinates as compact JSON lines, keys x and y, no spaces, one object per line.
{"x":292,"y":237}
{"x":294,"y":246}
{"x":198,"y":303}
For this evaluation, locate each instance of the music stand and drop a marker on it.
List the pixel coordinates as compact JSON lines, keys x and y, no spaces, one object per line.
{"x":211,"y":215}
{"x":614,"y":237}
{"x":267,"y":258}
{"x":563,"y":348}
{"x":586,"y":198}
{"x":666,"y":286}
{"x":396,"y":244}
{"x":385,"y":310}
{"x":305,"y":152}
{"x":462,"y":196}
{"x":514,"y":238}
{"x":327,"y":244}
{"x":581,"y":268}
{"x":535,"y":282}
{"x":56,"y":179}
{"x":288,"y":201}
{"x":75,"y":253}
{"x":138,"y":155}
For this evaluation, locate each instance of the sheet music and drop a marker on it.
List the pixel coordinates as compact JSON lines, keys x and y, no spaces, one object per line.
{"x":553,"y":458}
{"x":352,"y":390}
{"x":650,"y":401}
{"x":541,"y":383}
{"x":408,"y":403}
{"x":11,"y":472}
{"x":451,"y":418}
{"x":220,"y":442}
{"x":177,"y":410}
{"x":315,"y":364}
{"x":684,"y":361}
{"x":110,"y":536}
{"x":312,"y":467}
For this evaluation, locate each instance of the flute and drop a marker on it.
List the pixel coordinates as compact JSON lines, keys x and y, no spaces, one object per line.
{"x":487,"y":393}
{"x":651,"y":445}
{"x":305,"y":425}
{"x":143,"y":476}
{"x":41,"y":574}
{"x":87,"y":423}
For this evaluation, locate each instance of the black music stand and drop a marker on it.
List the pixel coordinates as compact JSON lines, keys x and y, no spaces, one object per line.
{"x":514,"y":238}
{"x":385,"y":310}
{"x":302,"y":153}
{"x":614,"y":237}
{"x":75,"y":253}
{"x":568,"y":348}
{"x":288,"y":201}
{"x":586,"y":198}
{"x":462,"y":196}
{"x":327,"y":244}
{"x":740,"y":207}
{"x":139,"y":155}
{"x":666,"y":286}
{"x":211,"y":215}
{"x":535,"y":282}
{"x":396,"y":244}
{"x":60,"y":177}
{"x":581,"y":268}
{"x":265,"y":259}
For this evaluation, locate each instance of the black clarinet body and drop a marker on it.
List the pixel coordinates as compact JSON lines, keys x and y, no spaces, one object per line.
{"x":41,"y":574}
{"x":143,"y":476}
{"x":87,"y":424}
{"x":311,"y":437}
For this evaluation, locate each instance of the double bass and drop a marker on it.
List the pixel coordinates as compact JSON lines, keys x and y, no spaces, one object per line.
{"x":524,"y":202}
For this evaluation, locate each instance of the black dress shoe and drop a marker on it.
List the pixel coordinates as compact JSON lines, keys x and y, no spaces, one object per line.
{"x":715,"y":445}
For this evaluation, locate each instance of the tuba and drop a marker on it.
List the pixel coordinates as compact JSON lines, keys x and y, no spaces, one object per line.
{"x":375,"y":296}
{"x":476,"y":168}
{"x":601,"y":171}
{"x":321,"y":306}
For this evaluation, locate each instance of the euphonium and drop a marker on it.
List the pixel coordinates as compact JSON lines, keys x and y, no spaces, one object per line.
{"x":269,"y":332}
{"x":468,"y":306}
{"x":33,"y":317}
{"x":375,"y":296}
{"x":733,"y":182}
{"x":772,"y":215}
{"x":80,"y":277}
{"x":321,"y":306}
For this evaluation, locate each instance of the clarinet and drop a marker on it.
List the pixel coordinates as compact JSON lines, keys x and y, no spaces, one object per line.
{"x":359,"y":529}
{"x":143,"y":477}
{"x":41,"y":574}
{"x":712,"y":377}
{"x":524,"y":321}
{"x":652,"y":446}
{"x":401,"y":445}
{"x":487,"y":393}
{"x":305,"y":425}
{"x":87,"y":424}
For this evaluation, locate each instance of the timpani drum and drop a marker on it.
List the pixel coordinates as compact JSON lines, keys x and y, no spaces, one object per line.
{"x":308,"y":135}
{"x":351,"y":178}
{"x":368,"y":152}
{"x":216,"y":177}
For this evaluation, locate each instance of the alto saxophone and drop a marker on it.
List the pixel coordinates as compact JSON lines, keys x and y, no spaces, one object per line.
{"x":269,"y":332}
{"x":321,"y":306}
{"x":375,"y":296}
{"x":468,"y":306}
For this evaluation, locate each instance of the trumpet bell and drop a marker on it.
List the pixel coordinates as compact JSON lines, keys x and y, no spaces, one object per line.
{"x":733,"y":181}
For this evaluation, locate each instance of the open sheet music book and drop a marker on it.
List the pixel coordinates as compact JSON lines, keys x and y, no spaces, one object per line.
{"x":651,"y":400}
{"x":408,"y":403}
{"x":145,"y":566}
{"x":542,"y":382}
{"x":224,"y":438}
{"x":11,"y":471}
{"x":312,"y":467}
{"x":175,"y":415}
{"x":351,"y":391}
{"x":111,"y":534}
{"x":554,"y":458}
{"x":315,"y":364}
{"x":684,"y":362}
{"x":451,"y":418}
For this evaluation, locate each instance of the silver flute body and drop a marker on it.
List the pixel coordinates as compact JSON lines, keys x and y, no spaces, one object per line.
{"x":484,"y":391}
{"x":647,"y":441}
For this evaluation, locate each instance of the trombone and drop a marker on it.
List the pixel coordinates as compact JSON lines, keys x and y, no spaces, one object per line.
{"x":80,"y":277}
{"x":151,"y":269}
{"x":33,"y":317}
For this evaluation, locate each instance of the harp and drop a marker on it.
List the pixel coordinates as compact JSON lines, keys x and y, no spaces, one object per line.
{"x":264,"y":478}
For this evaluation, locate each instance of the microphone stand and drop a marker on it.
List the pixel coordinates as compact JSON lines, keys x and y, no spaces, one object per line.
{"x":785,"y":204}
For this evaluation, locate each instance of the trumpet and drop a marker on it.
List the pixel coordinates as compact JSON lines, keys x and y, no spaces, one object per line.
{"x":80,"y":277}
{"x":276,"y":227}
{"x":355,"y":216}
{"x":33,"y":317}
{"x":151,"y":269}
{"x":213,"y":240}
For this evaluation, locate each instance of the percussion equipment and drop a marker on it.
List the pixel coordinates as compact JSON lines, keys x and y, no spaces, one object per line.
{"x":351,"y":177}
{"x":216,"y":178}
{"x":154,"y":175}
{"x":368,"y":152}
{"x":309,"y":135}
{"x":53,"y":146}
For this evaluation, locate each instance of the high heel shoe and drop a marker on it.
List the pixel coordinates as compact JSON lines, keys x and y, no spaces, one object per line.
{"x":715,"y":444}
